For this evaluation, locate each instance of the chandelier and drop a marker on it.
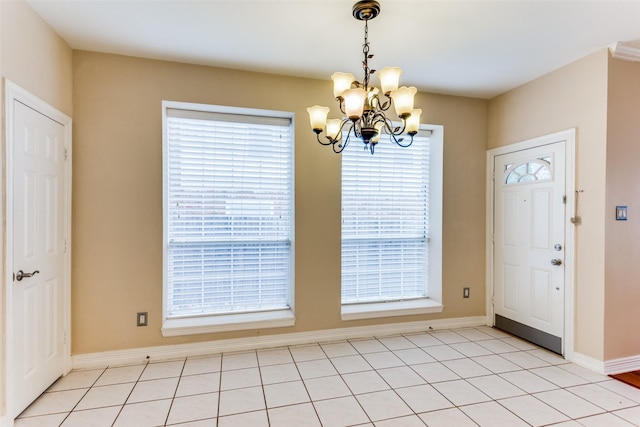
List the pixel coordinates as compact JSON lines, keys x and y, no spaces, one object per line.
{"x":365,"y":106}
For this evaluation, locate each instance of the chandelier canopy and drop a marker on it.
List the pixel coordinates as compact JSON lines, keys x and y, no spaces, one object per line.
{"x":365,"y":106}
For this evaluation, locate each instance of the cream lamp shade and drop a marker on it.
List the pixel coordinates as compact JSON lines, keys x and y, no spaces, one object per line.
{"x":389,"y":79}
{"x":341,"y":82}
{"x":403,"y":100}
{"x":354,"y":102}
{"x":413,"y":121}
{"x":333,"y":128}
{"x":378,"y":127}
{"x":318,"y":117}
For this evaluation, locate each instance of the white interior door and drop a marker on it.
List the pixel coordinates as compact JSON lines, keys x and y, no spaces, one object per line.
{"x":529,"y":212}
{"x":38,"y":190}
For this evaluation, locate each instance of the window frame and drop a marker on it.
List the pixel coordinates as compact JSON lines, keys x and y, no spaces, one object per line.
{"x":210,"y":323}
{"x":432,"y":303}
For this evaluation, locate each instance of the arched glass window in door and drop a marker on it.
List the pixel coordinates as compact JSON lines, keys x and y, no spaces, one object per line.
{"x":530,"y":171}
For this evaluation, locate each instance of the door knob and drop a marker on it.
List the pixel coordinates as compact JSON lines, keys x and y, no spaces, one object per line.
{"x":556,"y":261}
{"x":21,"y":274}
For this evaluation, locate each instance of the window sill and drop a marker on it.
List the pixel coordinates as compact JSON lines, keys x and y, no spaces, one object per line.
{"x":228,"y":322}
{"x":390,"y":309}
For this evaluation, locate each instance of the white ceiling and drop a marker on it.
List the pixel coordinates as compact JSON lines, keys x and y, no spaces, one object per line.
{"x":473,"y":48}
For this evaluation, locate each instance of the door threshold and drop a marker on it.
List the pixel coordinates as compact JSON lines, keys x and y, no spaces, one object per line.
{"x":535,"y":336}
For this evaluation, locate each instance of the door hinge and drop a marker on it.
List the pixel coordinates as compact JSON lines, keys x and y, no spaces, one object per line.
{"x":66,"y":154}
{"x":65,"y":246}
{"x":564,"y":199}
{"x":65,"y":337}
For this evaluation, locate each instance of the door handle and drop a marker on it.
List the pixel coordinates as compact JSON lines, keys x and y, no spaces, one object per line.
{"x":21,"y":274}
{"x":556,"y":261}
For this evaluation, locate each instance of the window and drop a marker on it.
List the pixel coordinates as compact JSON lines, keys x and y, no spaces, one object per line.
{"x":537,"y":170}
{"x":391,"y":227}
{"x":228,"y":218}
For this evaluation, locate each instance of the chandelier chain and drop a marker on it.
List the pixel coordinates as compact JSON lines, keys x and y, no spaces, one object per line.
{"x":365,"y":51}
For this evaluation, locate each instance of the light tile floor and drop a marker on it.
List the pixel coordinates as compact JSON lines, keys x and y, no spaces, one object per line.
{"x":464,"y":377}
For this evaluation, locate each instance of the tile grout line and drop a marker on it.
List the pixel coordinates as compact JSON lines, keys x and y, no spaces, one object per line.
{"x":315,"y":410}
{"x":166,"y":419}
{"x":130,"y":393}
{"x":264,"y":392}
{"x":83,"y":396}
{"x":219,"y":390}
{"x":347,"y":384}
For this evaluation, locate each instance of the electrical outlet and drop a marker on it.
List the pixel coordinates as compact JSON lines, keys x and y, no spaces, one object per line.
{"x":142,"y":318}
{"x":465,"y":292}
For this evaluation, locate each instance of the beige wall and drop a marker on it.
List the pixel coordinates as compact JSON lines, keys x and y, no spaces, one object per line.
{"x":622,"y":247}
{"x":34,"y":57}
{"x":574,"y":96}
{"x":117,"y":204}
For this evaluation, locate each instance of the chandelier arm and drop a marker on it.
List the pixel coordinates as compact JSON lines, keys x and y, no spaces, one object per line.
{"x":397,"y":130}
{"x":335,"y":143}
{"x":329,"y":142}
{"x":355,"y":128}
{"x":394,"y":132}
{"x":341,"y":105}
{"x":399,"y":141}
{"x":380,"y":117}
{"x":383,"y":106}
{"x":367,"y":120}
{"x":346,"y":141}
{"x":344,"y":122}
{"x":339,"y":148}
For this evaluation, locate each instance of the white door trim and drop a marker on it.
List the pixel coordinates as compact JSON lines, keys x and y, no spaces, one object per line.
{"x":569,"y":136}
{"x":13,"y":93}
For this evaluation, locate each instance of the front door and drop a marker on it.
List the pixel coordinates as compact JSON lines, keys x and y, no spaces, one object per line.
{"x":38,"y":253}
{"x":529,"y":197}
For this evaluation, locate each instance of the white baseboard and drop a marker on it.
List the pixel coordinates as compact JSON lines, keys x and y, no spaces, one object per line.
{"x":624,"y":364}
{"x":588,"y":362}
{"x":165,"y":352}
{"x":608,"y":367}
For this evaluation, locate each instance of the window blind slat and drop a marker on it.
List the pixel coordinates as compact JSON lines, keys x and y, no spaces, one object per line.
{"x":385,"y":222}
{"x":229,"y":213}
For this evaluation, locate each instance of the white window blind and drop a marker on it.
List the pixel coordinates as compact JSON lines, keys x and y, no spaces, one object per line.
{"x":228,"y":207}
{"x":385,"y":221}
